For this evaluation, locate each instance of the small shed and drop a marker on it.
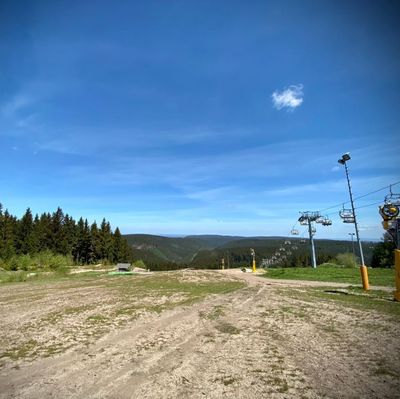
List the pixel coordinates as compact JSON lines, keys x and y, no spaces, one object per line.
{"x":123,"y":267}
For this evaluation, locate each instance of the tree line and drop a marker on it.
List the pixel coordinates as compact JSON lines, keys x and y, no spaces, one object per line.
{"x":61,"y":234}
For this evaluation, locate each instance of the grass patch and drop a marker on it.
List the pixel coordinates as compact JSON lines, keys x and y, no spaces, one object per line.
{"x":27,"y":349}
{"x":215,"y":313}
{"x":380,"y":277}
{"x":227,"y":328}
{"x":97,"y":318}
{"x":354,"y":297}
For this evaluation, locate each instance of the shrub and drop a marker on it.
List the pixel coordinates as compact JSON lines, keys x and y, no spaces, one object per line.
{"x":345,"y":260}
{"x":139,"y":263}
{"x":42,"y":261}
{"x":13,"y":277}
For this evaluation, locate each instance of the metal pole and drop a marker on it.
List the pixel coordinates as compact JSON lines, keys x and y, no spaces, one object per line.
{"x":354,"y":214}
{"x":363,"y":268}
{"x":314,"y":262}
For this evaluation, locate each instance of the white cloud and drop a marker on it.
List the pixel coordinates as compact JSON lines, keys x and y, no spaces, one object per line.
{"x":17,"y":103}
{"x":289,"y":98}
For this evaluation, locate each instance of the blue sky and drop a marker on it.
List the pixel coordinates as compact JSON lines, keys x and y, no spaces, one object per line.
{"x":189,"y":117}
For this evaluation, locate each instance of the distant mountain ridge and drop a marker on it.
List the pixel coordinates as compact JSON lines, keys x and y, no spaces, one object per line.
{"x":208,"y":250}
{"x":174,"y":249}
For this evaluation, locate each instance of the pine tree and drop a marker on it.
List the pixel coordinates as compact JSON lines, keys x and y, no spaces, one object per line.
{"x":106,"y":240}
{"x":69,"y":228}
{"x":35,"y":238}
{"x":8,"y":235}
{"x":95,"y":243}
{"x":82,"y":249}
{"x":43,"y":232}
{"x":24,"y":244}
{"x":59,"y":242}
{"x":118,"y":250}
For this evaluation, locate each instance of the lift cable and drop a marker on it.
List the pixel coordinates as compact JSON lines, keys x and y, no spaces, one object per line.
{"x":361,"y":196}
{"x":341,"y":205}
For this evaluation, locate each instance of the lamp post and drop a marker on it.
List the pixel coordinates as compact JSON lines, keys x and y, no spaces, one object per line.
{"x":352,"y":245}
{"x":363,"y":269}
{"x":253,"y":254}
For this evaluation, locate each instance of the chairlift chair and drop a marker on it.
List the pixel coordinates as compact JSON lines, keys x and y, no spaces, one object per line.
{"x":391,"y":207}
{"x":347,"y":215}
{"x":326,"y":221}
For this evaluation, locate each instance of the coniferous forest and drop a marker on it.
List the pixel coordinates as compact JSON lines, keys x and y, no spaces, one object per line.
{"x":57,"y":238}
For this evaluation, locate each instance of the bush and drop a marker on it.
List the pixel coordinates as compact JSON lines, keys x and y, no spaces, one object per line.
{"x":345,"y":260}
{"x":42,"y":261}
{"x":13,"y":277}
{"x":139,"y":263}
{"x":383,"y":255}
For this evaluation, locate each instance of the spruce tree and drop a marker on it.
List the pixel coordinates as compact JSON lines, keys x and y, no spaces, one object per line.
{"x":24,"y":244}
{"x":69,"y":234}
{"x":82,"y":252}
{"x":118,"y":255}
{"x":106,"y":240}
{"x":44,"y":232}
{"x":8,"y":235}
{"x":96,"y":247}
{"x":59,"y":243}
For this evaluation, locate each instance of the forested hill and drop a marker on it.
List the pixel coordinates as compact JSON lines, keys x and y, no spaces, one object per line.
{"x":158,"y":249}
{"x":23,"y":241}
{"x":60,"y":234}
{"x":207,"y":251}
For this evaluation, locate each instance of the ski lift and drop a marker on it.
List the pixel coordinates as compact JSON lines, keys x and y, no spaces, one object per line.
{"x":294,"y":232}
{"x":393,"y":199}
{"x":303,"y":221}
{"x":391,"y":206}
{"x":347,"y":215}
{"x":326,"y":221}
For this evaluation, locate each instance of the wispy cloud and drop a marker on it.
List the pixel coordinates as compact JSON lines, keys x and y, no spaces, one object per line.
{"x":289,"y":98}
{"x":15,"y":104}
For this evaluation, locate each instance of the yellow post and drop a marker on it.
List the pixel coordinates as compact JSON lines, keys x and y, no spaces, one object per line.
{"x":397,"y":275}
{"x":254,"y":265}
{"x":364,"y":277}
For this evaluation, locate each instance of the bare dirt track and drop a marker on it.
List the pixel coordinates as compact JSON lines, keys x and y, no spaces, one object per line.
{"x":265,"y":340}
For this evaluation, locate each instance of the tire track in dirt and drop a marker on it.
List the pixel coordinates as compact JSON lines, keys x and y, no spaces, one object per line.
{"x":181,"y":353}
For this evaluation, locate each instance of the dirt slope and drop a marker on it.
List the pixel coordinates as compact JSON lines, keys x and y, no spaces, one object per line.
{"x":257,"y":342}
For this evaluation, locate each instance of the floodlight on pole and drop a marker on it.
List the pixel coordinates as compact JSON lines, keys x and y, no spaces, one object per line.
{"x":352,"y":245}
{"x":363,"y":269}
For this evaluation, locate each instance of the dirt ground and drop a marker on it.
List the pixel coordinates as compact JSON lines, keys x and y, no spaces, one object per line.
{"x":268,"y":339}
